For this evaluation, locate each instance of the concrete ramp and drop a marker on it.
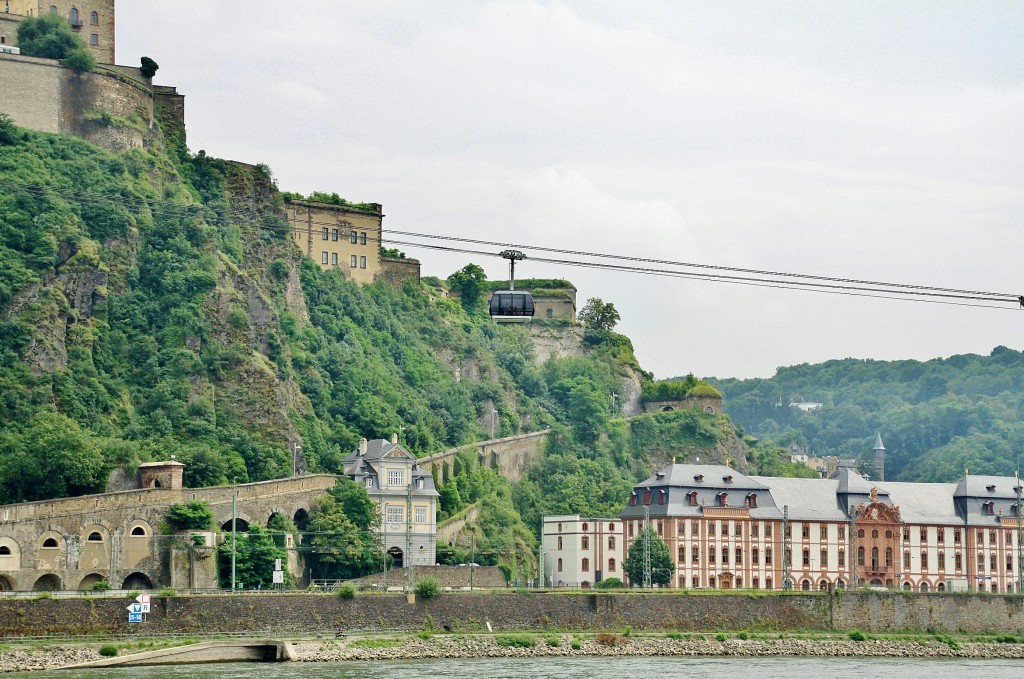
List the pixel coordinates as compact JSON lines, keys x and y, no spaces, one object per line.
{"x":205,"y":652}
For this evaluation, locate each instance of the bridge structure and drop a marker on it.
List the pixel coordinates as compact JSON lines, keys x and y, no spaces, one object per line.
{"x":122,"y":537}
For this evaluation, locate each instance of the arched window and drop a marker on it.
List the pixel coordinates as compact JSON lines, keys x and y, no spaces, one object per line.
{"x":752,"y":500}
{"x":584,"y":527}
{"x":988,"y":507}
{"x":681,"y":554}
{"x":860,"y":556}
{"x":692,"y":497}
{"x":647,"y":496}
{"x":585,"y":542}
{"x":768,"y":583}
{"x":53,"y":9}
{"x":723,"y":499}
{"x":138,"y":531}
{"x":74,"y":17}
{"x":95,"y":537}
{"x":585,"y":565}
{"x":611,"y":565}
{"x":842,"y":558}
{"x":906,"y":560}
{"x":611,"y":542}
{"x":840,"y":584}
{"x":611,"y":526}
{"x":559,"y":528}
{"x":874,"y":535}
{"x":860,"y":533}
{"x":559,"y":565}
{"x":942,"y":587}
{"x":768,"y":561}
{"x":5,"y":550}
{"x":924,"y":586}
{"x":49,"y":543}
{"x":888,"y":535}
{"x":94,"y":19}
{"x":559,"y":542}
{"x":805,"y":585}
{"x":888,"y":556}
{"x":823,"y":585}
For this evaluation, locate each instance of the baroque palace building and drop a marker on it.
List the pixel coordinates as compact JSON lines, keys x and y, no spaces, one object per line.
{"x":727,"y":530}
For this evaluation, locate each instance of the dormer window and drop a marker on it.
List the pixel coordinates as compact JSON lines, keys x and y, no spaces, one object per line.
{"x":727,"y":479}
{"x":369,"y":482}
{"x":632,"y":499}
{"x":659,"y":476}
{"x":988,"y":507}
{"x":647,"y":496}
{"x":752,"y":500}
{"x":692,"y":498}
{"x":698,"y":477}
{"x":661,"y":497}
{"x":991,"y":488}
{"x":723,"y":499}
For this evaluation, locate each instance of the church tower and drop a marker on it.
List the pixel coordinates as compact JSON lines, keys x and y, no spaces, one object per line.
{"x":879,"y":457}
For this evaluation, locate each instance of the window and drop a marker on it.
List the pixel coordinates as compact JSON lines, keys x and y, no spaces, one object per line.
{"x":981,"y":562}
{"x":695,"y":582}
{"x":647,"y":496}
{"x":632,"y":499}
{"x":940,"y":534}
{"x":681,"y":554}
{"x":559,"y":565}
{"x":396,"y":514}
{"x":768,"y":556}
{"x":661,"y":496}
{"x":824,"y":532}
{"x":53,"y":8}
{"x":958,"y":561}
{"x":842,"y":532}
{"x":755,"y":556}
{"x":711,"y":527}
{"x":992,"y":562}
{"x":611,"y":565}
{"x":559,"y":542}
{"x":421,"y":514}
{"x":680,"y":527}
{"x":807,"y":558}
{"x":924,"y":535}
{"x":585,"y":542}
{"x":980,"y":536}
{"x":49,"y":543}
{"x":354,"y":237}
{"x":860,"y":533}
{"x":725,"y":555}
{"x":362,"y":262}
{"x":874,"y":558}
{"x":756,"y":584}
{"x":755,"y":530}
{"x":694,"y":528}
{"x":824,"y":558}
{"x":752,"y":500}
{"x":362,"y":238}
{"x":842,"y":558}
{"x":888,"y":557}
{"x":138,"y":531}
{"x":74,"y":17}
{"x":692,"y":498}
{"x":1009,"y":563}
{"x":352,"y":261}
{"x":369,"y":482}
{"x":723,"y":501}
{"x":906,"y":534}
{"x":737,"y":529}
{"x":694,"y":554}
{"x":888,"y":535}
{"x":396,"y":477}
{"x":94,"y":40}
{"x":549,"y":312}
{"x":94,"y":19}
{"x":325,"y":236}
{"x":334,"y":235}
{"x":874,"y":535}
{"x":585,"y":565}
{"x":95,"y":537}
{"x":942,"y":561}
{"x":924,"y":560}
{"x":956,"y":536}
{"x":323,"y":257}
{"x":5,"y":550}
{"x":860,"y":556}
{"x":725,"y":528}
{"x":738,"y":556}
{"x":611,"y":542}
{"x":661,"y":528}
{"x":992,"y":537}
{"x":711,"y":554}
{"x":768,"y":530}
{"x":767,"y":583}
{"x":631,"y":529}
{"x":334,"y":258}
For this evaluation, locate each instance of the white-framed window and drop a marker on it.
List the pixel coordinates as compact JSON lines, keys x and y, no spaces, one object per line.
{"x":362,"y":238}
{"x":362,"y":262}
{"x":396,"y":477}
{"x":324,"y":232}
{"x":334,"y":234}
{"x":354,"y":237}
{"x":396,"y":514}
{"x":353,"y":260}
{"x":323,"y":257}
{"x":369,"y":482}
{"x":421,"y":515}
{"x":334,"y":258}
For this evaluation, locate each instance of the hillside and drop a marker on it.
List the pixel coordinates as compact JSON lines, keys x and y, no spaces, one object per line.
{"x":936,"y":417}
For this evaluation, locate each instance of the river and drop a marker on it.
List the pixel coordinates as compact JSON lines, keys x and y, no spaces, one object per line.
{"x":570,"y":668}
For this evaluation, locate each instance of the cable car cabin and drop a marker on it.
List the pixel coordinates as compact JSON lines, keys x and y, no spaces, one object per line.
{"x":511,"y":306}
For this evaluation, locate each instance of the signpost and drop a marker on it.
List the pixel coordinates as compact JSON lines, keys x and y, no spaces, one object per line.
{"x":138,"y":608}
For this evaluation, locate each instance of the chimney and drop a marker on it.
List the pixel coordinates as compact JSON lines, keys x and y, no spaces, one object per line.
{"x":394,"y":438}
{"x":362,"y":446}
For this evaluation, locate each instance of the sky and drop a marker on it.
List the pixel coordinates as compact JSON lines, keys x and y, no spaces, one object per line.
{"x":873,"y":140}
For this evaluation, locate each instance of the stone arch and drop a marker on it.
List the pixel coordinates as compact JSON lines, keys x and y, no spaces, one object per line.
{"x":923,"y":588}
{"x":51,"y":549}
{"x":907,"y":587}
{"x":396,"y":557}
{"x":6,"y":584}
{"x":47,"y":583}
{"x":90,"y":580}
{"x":823,"y":585}
{"x":10,"y":554}
{"x":667,"y":409}
{"x":301,"y":518}
{"x":95,"y":548}
{"x":137,"y":580}
{"x":137,"y":543}
{"x":241,"y":525}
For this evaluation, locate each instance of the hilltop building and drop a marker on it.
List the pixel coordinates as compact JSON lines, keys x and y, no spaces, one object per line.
{"x":93,"y":20}
{"x":727,"y":530}
{"x":343,"y":237}
{"x":406,"y":495}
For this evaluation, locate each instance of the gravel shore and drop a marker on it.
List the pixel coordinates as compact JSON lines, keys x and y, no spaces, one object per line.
{"x":487,"y":646}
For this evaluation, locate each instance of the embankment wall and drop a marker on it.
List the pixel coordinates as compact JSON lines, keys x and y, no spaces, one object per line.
{"x":303,"y":614}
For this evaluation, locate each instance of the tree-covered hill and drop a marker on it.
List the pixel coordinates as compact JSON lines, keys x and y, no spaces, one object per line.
{"x":936,"y":417}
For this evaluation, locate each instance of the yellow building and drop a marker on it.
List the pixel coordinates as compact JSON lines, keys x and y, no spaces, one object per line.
{"x":93,"y":20}
{"x":345,"y":237}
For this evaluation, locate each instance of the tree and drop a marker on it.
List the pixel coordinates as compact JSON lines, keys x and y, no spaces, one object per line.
{"x":192,"y":516}
{"x":342,"y":545}
{"x":470,"y":282}
{"x":49,"y":36}
{"x":255,"y":553}
{"x":148,"y":67}
{"x":599,"y":315}
{"x":662,"y":566}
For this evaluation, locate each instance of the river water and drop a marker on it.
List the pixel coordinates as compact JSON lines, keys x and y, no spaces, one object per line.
{"x":571,"y":668}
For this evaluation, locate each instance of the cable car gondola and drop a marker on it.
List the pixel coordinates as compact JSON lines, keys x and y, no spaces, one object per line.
{"x":511,"y":306}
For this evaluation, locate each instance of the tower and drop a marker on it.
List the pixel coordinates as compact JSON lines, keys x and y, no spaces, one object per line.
{"x":879,"y":457}
{"x":92,"y":20}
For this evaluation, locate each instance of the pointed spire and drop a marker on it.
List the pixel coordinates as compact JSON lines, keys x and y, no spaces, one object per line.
{"x":878,"y":442}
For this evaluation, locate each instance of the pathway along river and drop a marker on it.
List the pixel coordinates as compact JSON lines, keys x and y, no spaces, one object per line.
{"x":570,"y":668}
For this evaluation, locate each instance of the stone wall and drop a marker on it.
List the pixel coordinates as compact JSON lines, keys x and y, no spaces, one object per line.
{"x":707,"y":404}
{"x":512,"y":456}
{"x":397,"y":270}
{"x":302,"y":613}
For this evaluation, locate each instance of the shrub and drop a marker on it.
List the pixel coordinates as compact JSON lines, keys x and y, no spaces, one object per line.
{"x":610,"y":583}
{"x":101,"y":586}
{"x":742,"y":635}
{"x":857,"y":635}
{"x":610,"y":639}
{"x":428,"y":588}
{"x":148,"y":67}
{"x":515,"y":640}
{"x":167,"y":591}
{"x":720,"y":636}
{"x":674,"y":635}
{"x":347,"y":590}
{"x":553,"y":642}
{"x":577,"y":643}
{"x":108,"y":650}
{"x":9,"y":132}
{"x":425,"y":635}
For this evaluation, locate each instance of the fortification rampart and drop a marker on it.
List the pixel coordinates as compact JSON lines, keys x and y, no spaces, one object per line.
{"x":305,"y":614}
{"x":512,"y":455}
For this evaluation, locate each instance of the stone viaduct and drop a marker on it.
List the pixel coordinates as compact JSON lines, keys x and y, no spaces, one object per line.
{"x":512,"y":456}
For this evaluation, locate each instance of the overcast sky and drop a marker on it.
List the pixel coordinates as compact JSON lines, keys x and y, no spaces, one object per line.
{"x":869,"y":140}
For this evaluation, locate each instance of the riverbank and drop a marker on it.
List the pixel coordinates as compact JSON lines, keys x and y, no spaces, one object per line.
{"x":531,"y":645}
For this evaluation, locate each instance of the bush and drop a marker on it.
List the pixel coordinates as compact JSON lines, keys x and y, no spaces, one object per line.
{"x":610,"y":639}
{"x":148,"y":68}
{"x":515,"y":641}
{"x":553,"y":642}
{"x":576,"y":644}
{"x":108,"y":650}
{"x":9,"y":132}
{"x":742,"y":635}
{"x":610,"y":583}
{"x":428,"y":588}
{"x":857,"y":635}
{"x":720,"y":636}
{"x":167,"y":591}
{"x":79,"y":61}
{"x":425,"y":635}
{"x":101,"y":586}
{"x":347,"y":590}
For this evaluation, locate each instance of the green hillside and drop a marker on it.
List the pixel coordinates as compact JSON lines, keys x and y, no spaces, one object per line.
{"x":936,"y":417}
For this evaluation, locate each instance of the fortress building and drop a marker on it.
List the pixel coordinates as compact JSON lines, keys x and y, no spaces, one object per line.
{"x":93,"y":20}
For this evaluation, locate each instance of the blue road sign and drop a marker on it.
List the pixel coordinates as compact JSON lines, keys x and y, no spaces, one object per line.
{"x":135,"y":617}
